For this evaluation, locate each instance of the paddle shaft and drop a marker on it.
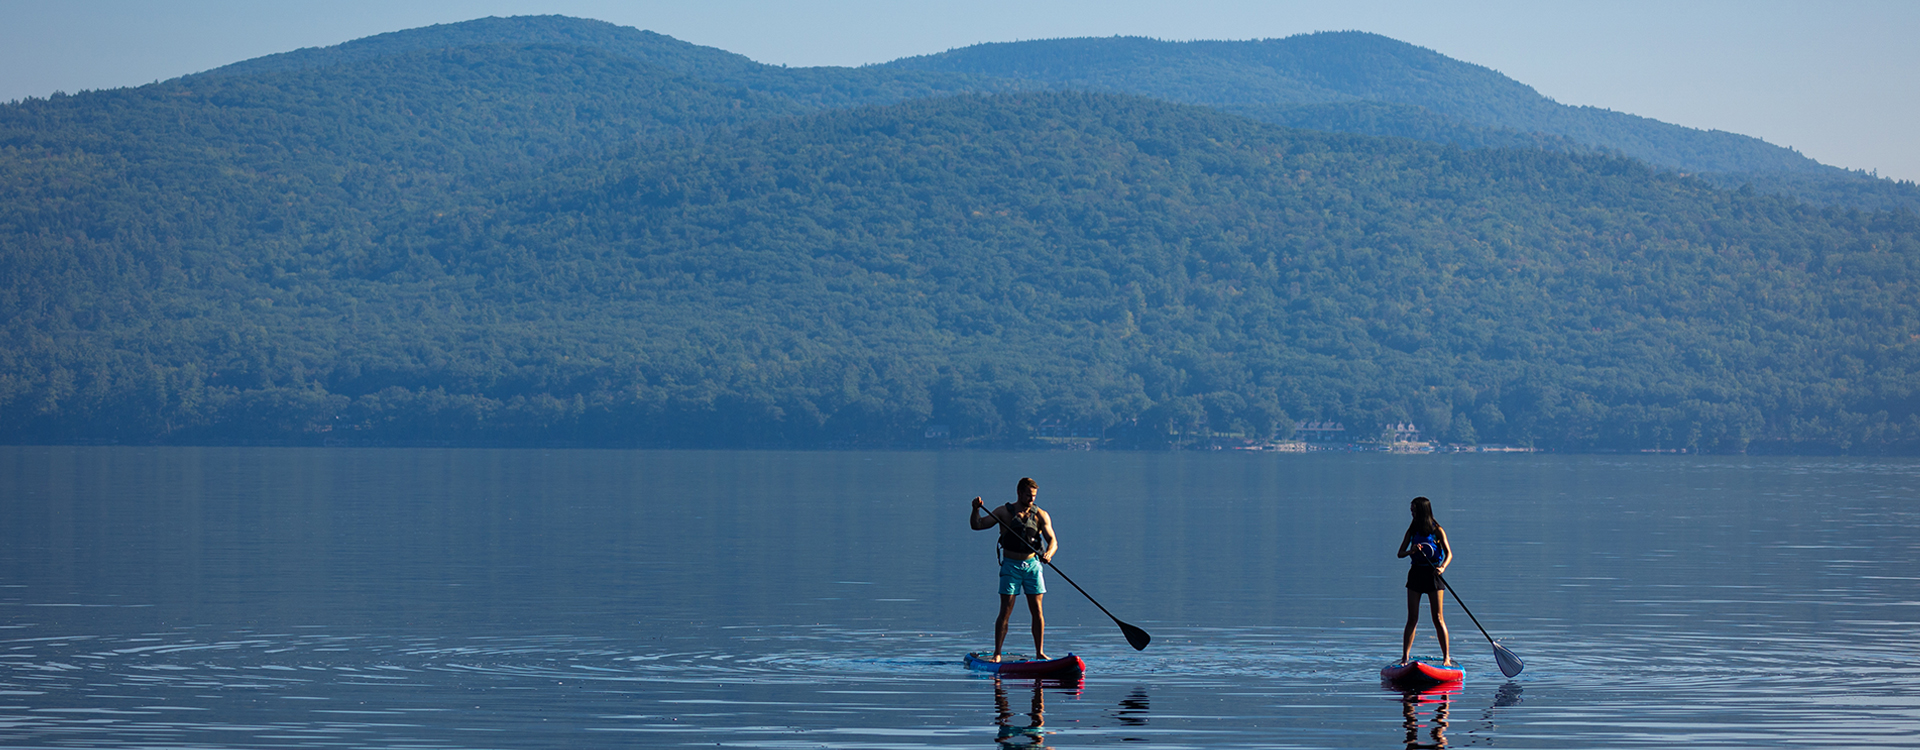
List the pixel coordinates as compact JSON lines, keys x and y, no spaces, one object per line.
{"x":1063,"y":576}
{"x":1463,"y":607}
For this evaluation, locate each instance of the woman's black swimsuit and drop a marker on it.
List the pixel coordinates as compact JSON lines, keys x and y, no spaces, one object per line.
{"x":1423,"y":577}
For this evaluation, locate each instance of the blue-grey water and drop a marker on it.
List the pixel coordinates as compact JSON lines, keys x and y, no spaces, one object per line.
{"x":423,"y":598}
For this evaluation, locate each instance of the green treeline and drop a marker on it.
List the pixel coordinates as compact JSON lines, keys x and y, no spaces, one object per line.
{"x":501,"y":244}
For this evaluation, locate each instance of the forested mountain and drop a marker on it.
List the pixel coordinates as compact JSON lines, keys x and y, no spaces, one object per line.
{"x":1450,"y":101}
{"x":808,"y":87}
{"x":1351,"y":66}
{"x":1350,"y":82}
{"x":477,"y":239}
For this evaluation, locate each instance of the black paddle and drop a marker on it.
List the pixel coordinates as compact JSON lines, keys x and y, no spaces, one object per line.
{"x":1136,"y":637}
{"x":1510,"y":665}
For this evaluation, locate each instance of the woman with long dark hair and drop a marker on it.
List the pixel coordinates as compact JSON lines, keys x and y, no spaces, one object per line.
{"x":1426,"y":543}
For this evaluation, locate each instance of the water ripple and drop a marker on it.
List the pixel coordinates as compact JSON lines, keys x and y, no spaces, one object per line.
{"x":823,"y":687}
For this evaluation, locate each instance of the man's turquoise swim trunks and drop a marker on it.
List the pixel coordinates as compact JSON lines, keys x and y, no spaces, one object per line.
{"x":1021,"y":574}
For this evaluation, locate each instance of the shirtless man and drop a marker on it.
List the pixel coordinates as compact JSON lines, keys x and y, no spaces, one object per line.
{"x":1026,"y":541}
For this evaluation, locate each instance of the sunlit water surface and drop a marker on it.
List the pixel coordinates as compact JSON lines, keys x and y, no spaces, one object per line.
{"x":400,"y":598}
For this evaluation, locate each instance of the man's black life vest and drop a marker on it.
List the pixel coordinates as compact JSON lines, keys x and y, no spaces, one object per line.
{"x":1015,"y":528}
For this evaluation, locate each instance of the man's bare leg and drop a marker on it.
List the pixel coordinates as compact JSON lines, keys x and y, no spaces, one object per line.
{"x":1039,"y":626}
{"x":1000,"y":625}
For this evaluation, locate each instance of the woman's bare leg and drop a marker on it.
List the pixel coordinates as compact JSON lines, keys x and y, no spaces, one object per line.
{"x":1440,"y":628}
{"x":1413,"y":619}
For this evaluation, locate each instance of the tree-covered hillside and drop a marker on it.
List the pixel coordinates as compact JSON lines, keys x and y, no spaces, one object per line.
{"x":557,"y":243}
{"x":1346,"y":82}
{"x":824,"y":87}
{"x":1453,"y":102}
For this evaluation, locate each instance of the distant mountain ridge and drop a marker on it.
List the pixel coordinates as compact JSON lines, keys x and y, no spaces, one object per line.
{"x":1263,"y":78}
{"x":474,"y":235}
{"x":1338,"y":81}
{"x":654,"y":49}
{"x":1350,"y":66}
{"x":811,"y":87}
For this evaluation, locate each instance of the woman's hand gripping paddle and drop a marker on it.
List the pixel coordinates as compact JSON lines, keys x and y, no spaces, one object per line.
{"x":1510,"y":665}
{"x":1136,"y":637}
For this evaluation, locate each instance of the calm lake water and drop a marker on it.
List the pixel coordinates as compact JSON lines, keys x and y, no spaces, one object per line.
{"x":401,"y":598}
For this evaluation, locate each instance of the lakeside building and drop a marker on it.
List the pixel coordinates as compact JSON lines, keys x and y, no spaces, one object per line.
{"x":1320,"y":432}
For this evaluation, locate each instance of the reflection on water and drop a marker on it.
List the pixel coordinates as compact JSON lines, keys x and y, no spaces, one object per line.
{"x":776,"y":687}
{"x":1025,"y":729}
{"x":1425,"y":715}
{"x":1427,"y":709}
{"x":248,"y":598}
{"x":1507,"y":697}
{"x":1133,"y":709}
{"x":1430,"y":710}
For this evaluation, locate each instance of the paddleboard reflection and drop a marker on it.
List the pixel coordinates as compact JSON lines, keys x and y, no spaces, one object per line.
{"x":1426,"y":709}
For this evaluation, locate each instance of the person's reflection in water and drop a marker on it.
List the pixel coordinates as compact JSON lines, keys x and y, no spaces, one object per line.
{"x":1410,"y":711}
{"x":1027,"y":732}
{"x":1133,"y":709}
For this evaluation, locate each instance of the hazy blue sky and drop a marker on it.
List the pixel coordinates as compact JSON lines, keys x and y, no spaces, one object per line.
{"x":1838,"y":80}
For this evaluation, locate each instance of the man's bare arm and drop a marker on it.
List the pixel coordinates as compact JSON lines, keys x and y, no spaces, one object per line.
{"x":979,"y":522}
{"x":1046,"y":532}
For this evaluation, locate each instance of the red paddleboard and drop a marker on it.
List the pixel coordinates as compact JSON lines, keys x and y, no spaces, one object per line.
{"x":1417,"y":673}
{"x":1065,"y":667}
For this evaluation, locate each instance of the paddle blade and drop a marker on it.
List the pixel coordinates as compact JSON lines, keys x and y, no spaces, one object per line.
{"x":1136,"y":637}
{"x":1510,"y":665}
